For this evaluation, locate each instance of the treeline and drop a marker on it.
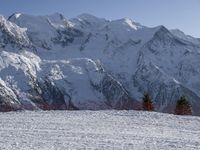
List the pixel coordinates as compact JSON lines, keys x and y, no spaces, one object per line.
{"x":183,"y":106}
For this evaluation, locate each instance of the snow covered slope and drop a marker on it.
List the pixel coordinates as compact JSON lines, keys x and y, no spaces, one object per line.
{"x":50,"y":62}
{"x":103,"y":130}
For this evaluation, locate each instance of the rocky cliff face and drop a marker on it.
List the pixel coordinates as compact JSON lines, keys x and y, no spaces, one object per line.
{"x":49,"y":62}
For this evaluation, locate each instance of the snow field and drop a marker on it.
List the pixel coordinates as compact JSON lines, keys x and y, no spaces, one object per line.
{"x":127,"y":130}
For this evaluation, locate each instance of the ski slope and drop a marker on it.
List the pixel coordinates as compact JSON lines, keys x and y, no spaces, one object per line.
{"x":52,"y":130}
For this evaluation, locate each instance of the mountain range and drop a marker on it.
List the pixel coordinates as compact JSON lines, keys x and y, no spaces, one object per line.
{"x":51,"y":62}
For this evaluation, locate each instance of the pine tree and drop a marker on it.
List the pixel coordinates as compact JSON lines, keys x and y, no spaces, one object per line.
{"x":147,"y":103}
{"x":183,"y":107}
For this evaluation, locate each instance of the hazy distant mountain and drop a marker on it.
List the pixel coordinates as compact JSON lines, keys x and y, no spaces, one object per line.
{"x":50,"y":62}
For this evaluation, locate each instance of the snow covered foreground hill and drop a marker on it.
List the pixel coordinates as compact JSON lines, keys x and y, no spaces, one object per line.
{"x":50,"y":62}
{"x":103,"y":130}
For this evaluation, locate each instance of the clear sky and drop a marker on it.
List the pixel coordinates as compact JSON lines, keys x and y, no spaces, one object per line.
{"x":182,"y":14}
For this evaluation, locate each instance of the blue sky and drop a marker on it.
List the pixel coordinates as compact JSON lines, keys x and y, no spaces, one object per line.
{"x":182,"y":14}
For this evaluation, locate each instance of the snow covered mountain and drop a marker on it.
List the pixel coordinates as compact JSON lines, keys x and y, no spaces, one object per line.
{"x":50,"y":62}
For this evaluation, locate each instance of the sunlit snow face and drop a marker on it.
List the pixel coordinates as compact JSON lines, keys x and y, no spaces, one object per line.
{"x":17,"y":15}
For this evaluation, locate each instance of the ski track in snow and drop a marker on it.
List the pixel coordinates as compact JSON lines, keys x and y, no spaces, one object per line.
{"x":98,"y":130}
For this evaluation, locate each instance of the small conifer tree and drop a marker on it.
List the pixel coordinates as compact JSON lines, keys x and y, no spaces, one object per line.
{"x":147,"y":103}
{"x":183,"y":107}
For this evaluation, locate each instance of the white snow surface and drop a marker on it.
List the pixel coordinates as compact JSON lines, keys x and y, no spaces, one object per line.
{"x":128,"y":130}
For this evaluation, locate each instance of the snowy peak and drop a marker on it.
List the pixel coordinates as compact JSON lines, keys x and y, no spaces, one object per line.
{"x":132,"y":24}
{"x":47,"y":31}
{"x":163,"y":31}
{"x":162,"y":37}
{"x":88,"y":22}
{"x":85,"y":21}
{"x":56,"y":16}
{"x":39,"y":29}
{"x":15,"y":15}
{"x":32,"y":21}
{"x":59,"y":21}
{"x":127,"y":22}
{"x":90,"y":17}
{"x":56,"y":20}
{"x":12,"y":34}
